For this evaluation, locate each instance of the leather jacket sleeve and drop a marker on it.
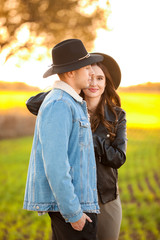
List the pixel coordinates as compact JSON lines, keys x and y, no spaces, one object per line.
{"x":112,"y":154}
{"x":33,"y":103}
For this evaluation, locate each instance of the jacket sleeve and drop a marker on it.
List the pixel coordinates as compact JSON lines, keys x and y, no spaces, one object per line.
{"x":33,"y":103}
{"x":112,"y":154}
{"x":54,"y":135}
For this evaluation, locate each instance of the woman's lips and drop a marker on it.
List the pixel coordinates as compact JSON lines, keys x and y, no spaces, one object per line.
{"x":93,"y":89}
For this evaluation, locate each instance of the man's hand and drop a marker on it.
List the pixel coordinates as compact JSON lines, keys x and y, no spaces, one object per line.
{"x":79,"y":225}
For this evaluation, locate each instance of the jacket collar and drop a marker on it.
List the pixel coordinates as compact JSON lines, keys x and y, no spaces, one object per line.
{"x":67,"y":88}
{"x":109,"y":115}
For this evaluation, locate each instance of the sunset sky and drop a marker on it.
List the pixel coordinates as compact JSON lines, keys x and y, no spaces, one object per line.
{"x":134,"y":41}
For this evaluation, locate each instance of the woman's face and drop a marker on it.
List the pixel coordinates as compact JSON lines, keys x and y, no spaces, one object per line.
{"x":97,"y":84}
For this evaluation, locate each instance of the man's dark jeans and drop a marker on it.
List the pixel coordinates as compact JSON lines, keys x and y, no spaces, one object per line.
{"x":64,"y":231}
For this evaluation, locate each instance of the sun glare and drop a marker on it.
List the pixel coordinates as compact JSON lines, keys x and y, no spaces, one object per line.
{"x":132,"y":39}
{"x":23,"y":34}
{"x":91,"y":8}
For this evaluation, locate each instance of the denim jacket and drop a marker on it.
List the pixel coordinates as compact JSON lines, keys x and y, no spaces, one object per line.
{"x":62,"y":169}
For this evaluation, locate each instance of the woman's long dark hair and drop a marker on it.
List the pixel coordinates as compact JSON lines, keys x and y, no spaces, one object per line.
{"x":109,"y":98}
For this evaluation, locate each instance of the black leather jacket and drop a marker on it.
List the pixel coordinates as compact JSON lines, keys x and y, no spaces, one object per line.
{"x":109,"y":155}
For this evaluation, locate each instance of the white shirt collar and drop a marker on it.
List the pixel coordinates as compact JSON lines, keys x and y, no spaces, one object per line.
{"x":67,"y":88}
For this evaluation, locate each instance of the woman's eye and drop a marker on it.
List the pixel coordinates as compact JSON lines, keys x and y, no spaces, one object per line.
{"x":100,"y":78}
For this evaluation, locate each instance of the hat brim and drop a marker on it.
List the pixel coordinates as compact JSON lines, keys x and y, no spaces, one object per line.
{"x":93,"y":58}
{"x":112,"y":67}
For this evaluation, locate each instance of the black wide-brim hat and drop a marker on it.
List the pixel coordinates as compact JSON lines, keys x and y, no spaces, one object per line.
{"x":112,"y":67}
{"x":70,"y":55}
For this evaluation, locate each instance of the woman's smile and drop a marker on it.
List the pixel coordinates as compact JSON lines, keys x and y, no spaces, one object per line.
{"x":93,"y":90}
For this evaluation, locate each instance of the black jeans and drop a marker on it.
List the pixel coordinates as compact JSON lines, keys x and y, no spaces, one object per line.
{"x":64,"y":231}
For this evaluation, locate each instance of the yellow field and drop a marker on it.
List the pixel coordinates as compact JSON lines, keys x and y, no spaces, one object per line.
{"x":14,"y":99}
{"x":143,"y":109}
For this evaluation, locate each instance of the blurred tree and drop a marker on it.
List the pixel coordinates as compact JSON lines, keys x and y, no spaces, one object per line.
{"x":28,"y":23}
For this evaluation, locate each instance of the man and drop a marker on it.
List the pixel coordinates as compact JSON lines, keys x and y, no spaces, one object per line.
{"x":62,"y":172}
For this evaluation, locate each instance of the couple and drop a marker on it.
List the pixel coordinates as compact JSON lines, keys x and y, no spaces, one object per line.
{"x":66,"y":155}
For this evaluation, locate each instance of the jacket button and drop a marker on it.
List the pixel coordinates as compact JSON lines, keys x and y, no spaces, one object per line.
{"x":99,"y":159}
{"x":108,"y":135}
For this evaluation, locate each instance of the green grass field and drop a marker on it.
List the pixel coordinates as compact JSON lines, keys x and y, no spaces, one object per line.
{"x":139,"y":178}
{"x":139,"y":183}
{"x":15,"y":223}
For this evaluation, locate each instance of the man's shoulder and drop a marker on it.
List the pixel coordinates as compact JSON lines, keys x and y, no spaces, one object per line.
{"x":62,"y":96}
{"x":58,"y":98}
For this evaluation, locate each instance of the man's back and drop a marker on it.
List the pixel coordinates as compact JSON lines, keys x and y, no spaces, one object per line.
{"x":62,"y":171}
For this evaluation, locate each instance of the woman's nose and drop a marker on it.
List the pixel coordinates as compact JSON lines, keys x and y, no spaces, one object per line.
{"x":93,"y":81}
{"x":92,"y":71}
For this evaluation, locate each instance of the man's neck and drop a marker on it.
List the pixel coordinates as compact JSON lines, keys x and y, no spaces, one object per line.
{"x":69,"y":82}
{"x":67,"y":88}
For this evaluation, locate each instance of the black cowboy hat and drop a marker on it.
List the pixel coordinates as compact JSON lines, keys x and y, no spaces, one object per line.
{"x":112,"y":67}
{"x":70,"y":55}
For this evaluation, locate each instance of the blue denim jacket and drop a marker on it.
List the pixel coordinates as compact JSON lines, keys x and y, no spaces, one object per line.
{"x":62,"y":168}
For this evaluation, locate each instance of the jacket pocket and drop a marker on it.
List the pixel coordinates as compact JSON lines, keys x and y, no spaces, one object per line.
{"x":84,"y":128}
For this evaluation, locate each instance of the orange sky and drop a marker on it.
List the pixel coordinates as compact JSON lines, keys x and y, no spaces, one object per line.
{"x":134,"y":42}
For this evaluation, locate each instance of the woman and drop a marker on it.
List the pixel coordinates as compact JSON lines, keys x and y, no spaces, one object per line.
{"x":108,"y":125}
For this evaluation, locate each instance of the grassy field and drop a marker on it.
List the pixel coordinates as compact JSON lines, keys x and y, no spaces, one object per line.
{"x":139,"y":183}
{"x":15,"y":223}
{"x":139,"y":178}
